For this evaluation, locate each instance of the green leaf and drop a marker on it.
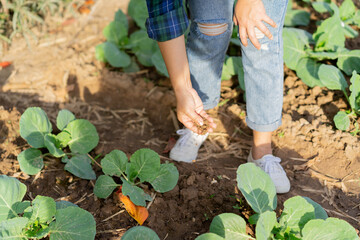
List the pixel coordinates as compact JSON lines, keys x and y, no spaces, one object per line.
{"x":9,"y":199}
{"x":12,"y":229}
{"x":332,"y":78}
{"x":166,"y":179}
{"x":320,"y":213}
{"x":349,"y":31}
{"x":84,"y":136}
{"x":146,"y":163}
{"x":121,"y":17}
{"x":136,"y":194}
{"x":329,"y":35}
{"x":231,"y":67}
{"x":355,"y":91}
{"x":34,"y":125}
{"x":137,"y":10}
{"x":63,"y":138}
{"x":265,"y":224}
{"x":297,"y":212}
{"x":254,"y":218}
{"x":137,"y":38}
{"x":63,"y":119}
{"x":53,"y":145}
{"x":209,"y":236}
{"x":348,"y":61}
{"x":114,"y":32}
{"x":140,"y":233}
{"x":31,"y":161}
{"x":114,"y":163}
{"x":342,"y":121}
{"x":115,"y":56}
{"x":73,"y":223}
{"x":104,"y":186}
{"x":329,"y":229}
{"x":80,"y":166}
{"x":293,"y":48}
{"x":100,"y":52}
{"x":19,"y":207}
{"x":229,"y":226}
{"x":133,"y":67}
{"x":321,"y":7}
{"x":143,"y":47}
{"x":43,"y":209}
{"x":322,"y":55}
{"x":297,"y":18}
{"x":307,"y":70}
{"x":347,"y":9}
{"x":257,"y":188}
{"x":159,"y":63}
{"x":64,"y":204}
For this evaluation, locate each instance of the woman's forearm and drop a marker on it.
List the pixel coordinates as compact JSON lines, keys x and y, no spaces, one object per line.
{"x":174,"y":54}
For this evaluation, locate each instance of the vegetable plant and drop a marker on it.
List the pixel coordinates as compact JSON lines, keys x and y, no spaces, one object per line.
{"x":77,"y":137}
{"x":119,"y":46}
{"x":140,"y":232}
{"x":301,"y":218}
{"x":41,"y":218}
{"x":144,"y":166}
{"x":310,"y":55}
{"x":343,"y":118}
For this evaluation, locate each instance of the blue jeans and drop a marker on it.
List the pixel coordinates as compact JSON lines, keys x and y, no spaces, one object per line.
{"x":263,"y":68}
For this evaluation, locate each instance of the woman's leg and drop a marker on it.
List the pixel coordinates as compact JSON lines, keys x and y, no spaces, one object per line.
{"x":264,"y":72}
{"x":264,"y":81}
{"x":207,"y":42}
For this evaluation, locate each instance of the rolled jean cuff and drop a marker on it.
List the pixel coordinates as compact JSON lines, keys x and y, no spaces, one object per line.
{"x":263,"y":128}
{"x":210,"y":105}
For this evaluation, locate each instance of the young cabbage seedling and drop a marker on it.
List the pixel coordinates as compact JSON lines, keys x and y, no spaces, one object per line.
{"x":77,"y":135}
{"x":301,"y":218}
{"x":344,"y":119}
{"x":144,"y":166}
{"x":42,"y":217}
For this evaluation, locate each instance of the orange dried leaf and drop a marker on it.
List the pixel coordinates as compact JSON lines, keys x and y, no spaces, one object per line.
{"x":5,"y":64}
{"x":89,"y":2}
{"x":139,"y":213}
{"x":84,"y":10}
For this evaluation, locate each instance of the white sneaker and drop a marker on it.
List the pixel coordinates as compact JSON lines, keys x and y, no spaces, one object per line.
{"x":187,"y":146}
{"x":271,"y":165}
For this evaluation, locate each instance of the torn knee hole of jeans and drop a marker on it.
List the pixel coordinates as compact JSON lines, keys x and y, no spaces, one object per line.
{"x":214,"y":29}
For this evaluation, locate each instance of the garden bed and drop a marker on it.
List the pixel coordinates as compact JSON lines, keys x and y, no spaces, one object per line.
{"x":322,"y":163}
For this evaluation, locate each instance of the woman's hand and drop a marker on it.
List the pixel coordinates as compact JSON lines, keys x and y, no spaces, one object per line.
{"x":248,"y":15}
{"x":190,"y":111}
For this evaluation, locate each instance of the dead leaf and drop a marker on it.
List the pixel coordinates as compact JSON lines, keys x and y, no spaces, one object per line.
{"x":139,"y":213}
{"x":170,"y":145}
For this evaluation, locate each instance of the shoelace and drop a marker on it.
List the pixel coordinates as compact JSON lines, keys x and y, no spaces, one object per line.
{"x":271,"y":164}
{"x":185,"y":135}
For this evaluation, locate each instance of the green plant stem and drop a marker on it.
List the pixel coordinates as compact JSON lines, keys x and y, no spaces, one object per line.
{"x":347,"y":97}
{"x":46,"y":154}
{"x":92,"y":159}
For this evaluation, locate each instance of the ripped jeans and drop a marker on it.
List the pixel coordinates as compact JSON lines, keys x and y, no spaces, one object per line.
{"x":207,"y":42}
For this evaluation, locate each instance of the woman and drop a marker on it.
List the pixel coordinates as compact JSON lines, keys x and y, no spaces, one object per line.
{"x":195,"y":70}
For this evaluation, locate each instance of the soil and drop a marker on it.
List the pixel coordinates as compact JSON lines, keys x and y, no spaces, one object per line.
{"x":132,"y":111}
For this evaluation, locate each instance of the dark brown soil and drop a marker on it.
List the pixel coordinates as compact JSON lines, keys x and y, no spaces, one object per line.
{"x":132,"y":111}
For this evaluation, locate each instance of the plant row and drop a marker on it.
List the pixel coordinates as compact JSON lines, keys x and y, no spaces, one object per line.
{"x":72,"y":141}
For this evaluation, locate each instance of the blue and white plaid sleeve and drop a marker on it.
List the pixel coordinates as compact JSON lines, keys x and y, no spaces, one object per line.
{"x":167,"y":19}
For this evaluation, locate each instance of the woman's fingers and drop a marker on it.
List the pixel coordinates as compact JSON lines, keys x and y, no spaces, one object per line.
{"x":252,"y":37}
{"x":243,"y":35}
{"x":235,"y":20}
{"x":269,"y":21}
{"x":264,"y":30}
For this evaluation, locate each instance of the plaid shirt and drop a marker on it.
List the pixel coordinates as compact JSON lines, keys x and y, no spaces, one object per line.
{"x":167,"y":19}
